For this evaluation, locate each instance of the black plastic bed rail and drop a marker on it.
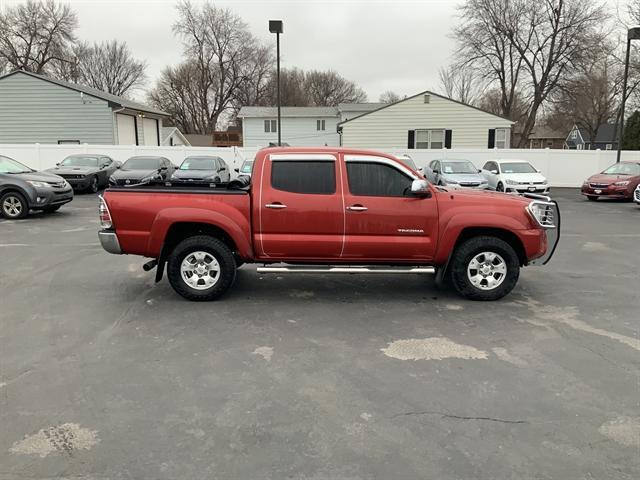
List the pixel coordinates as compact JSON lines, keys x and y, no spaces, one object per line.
{"x":241,"y":183}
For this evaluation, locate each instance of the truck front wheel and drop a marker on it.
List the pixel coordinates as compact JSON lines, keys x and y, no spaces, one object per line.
{"x":201,"y":268}
{"x":484,"y":268}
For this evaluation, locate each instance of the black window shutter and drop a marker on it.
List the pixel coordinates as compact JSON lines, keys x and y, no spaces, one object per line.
{"x":492,"y":138}
{"x":411,"y":140}
{"x":447,"y":138}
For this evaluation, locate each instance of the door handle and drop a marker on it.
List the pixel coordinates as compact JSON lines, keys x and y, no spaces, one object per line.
{"x":275,"y":206}
{"x":357,"y":208}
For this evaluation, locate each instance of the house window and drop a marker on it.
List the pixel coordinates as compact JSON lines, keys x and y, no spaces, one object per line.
{"x":574,"y":134}
{"x":579,"y":146}
{"x":501,"y":138}
{"x":320,"y":125}
{"x":427,"y":99}
{"x":270,"y":126}
{"x":433,"y":139}
{"x":608,"y":146}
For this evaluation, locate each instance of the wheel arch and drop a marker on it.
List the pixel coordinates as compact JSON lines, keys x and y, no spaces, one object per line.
{"x":503,"y":234}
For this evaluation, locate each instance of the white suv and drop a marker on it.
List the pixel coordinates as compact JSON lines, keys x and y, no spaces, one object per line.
{"x":514,"y":176}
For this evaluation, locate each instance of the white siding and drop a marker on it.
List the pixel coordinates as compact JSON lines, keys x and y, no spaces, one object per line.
{"x":388,"y":127}
{"x":296,"y":131}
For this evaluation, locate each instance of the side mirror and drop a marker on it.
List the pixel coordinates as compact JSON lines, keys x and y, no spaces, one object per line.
{"x":222,"y":169}
{"x":436,"y":171}
{"x":237,"y":170}
{"x":118,"y":165}
{"x":58,"y":164}
{"x":495,"y":172}
{"x":164,"y":169}
{"x":538,"y":170}
{"x":479,"y":171}
{"x":420,"y":188}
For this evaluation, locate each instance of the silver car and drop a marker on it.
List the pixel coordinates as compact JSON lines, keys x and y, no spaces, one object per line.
{"x":458,"y":173}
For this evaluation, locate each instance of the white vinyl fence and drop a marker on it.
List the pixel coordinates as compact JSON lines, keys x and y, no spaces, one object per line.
{"x":563,"y":168}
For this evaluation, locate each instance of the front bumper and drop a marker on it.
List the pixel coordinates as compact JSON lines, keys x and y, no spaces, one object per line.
{"x":79,"y":183}
{"x":551,"y":238}
{"x":43,"y":198}
{"x":527,"y":188}
{"x":606,"y":192}
{"x":109,"y":241}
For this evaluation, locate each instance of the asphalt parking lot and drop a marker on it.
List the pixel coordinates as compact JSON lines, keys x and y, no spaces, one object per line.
{"x":104,"y":374}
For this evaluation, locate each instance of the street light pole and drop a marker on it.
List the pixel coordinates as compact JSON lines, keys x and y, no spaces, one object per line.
{"x":632,"y":34}
{"x":275,"y":26}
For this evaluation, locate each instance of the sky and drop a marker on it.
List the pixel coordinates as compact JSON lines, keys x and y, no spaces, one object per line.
{"x":394,"y":45}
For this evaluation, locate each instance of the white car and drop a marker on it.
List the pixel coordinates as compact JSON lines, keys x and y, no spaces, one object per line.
{"x":514,"y":176}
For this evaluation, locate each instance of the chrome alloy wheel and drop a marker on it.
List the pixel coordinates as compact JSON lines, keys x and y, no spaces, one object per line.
{"x":12,"y":206}
{"x":487,"y":270}
{"x":200,"y":270}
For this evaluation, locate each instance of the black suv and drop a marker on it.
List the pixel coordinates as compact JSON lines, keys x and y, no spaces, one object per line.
{"x":23,"y":189}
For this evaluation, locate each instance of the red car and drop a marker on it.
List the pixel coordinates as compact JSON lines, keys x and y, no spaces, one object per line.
{"x":617,"y":181}
{"x":329,"y":210}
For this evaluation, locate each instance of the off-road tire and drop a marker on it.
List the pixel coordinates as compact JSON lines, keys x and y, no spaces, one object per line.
{"x":214,"y":247}
{"x":500,"y":187}
{"x":467,"y":251}
{"x":15,"y":196}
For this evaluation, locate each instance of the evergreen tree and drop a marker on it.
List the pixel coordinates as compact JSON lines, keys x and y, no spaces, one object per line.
{"x":631,"y":139}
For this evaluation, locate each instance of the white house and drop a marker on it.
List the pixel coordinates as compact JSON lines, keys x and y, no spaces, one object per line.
{"x":347,"y":111}
{"x":426,"y":120}
{"x":173,"y":137}
{"x":301,"y":126}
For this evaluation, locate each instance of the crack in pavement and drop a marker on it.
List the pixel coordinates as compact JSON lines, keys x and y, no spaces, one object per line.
{"x":460,"y":417}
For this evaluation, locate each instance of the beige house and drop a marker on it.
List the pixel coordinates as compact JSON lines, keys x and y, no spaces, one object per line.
{"x":426,"y":121}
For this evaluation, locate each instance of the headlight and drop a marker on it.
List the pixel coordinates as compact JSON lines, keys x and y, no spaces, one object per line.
{"x":511,"y":182}
{"x":38,"y":184}
{"x":622,"y":184}
{"x":542,"y":213}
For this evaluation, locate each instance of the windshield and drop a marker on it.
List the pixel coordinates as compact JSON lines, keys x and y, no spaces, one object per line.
{"x":198,"y":163}
{"x":519,"y":167}
{"x":80,"y":162}
{"x":247,"y":166}
{"x":142,"y":163}
{"x":464,"y":166}
{"x":623,"y":169}
{"x":8,"y":165}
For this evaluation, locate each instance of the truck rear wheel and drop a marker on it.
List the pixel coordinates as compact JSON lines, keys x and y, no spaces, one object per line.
{"x":484,"y":268}
{"x":201,"y":268}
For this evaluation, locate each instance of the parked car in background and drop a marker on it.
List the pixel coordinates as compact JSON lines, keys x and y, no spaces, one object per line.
{"x":203,"y":168}
{"x":23,"y":189}
{"x":618,"y":181}
{"x":140,"y":169}
{"x":408,"y":161}
{"x":514,"y":176}
{"x":86,"y":171}
{"x":245,"y":168}
{"x":459,"y":173}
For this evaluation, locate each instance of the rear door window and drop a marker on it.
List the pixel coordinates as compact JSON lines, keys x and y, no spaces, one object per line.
{"x":310,"y":177}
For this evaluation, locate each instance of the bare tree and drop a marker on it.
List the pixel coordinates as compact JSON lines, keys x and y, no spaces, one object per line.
{"x":219,"y":43}
{"x":552,"y":37}
{"x":328,"y":88}
{"x":184,"y":93}
{"x":460,"y":83}
{"x":106,"y":66}
{"x":485,"y":52}
{"x":35,"y":34}
{"x":389,"y":97}
{"x":292,"y":88}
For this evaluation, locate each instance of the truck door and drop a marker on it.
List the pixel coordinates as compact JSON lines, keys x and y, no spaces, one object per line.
{"x":384,"y":222}
{"x":300,"y":207}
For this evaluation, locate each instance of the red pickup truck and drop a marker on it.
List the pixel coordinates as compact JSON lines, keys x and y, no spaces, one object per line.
{"x":329,"y":210}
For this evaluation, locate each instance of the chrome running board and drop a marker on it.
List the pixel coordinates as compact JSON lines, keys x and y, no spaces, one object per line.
{"x":334,"y":269}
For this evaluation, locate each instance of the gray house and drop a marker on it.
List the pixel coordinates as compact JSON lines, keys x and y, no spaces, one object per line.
{"x":39,"y":109}
{"x":605,"y":139}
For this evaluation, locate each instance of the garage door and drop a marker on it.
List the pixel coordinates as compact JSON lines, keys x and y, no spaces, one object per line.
{"x":126,"y":129}
{"x":150,"y":131}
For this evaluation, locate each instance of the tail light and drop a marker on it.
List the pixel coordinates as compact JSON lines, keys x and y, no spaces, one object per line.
{"x":105,"y":215}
